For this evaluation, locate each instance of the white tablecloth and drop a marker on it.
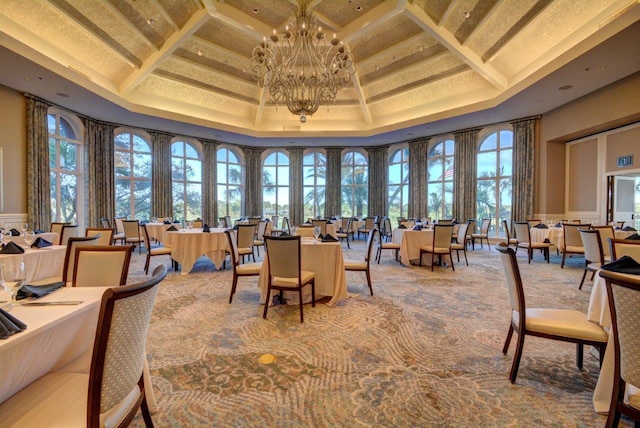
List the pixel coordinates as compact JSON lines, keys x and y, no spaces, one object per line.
{"x":156,"y":230}
{"x":599,"y":313}
{"x":49,"y":236}
{"x":554,"y":235}
{"x":40,"y":263}
{"x":326,"y":261}
{"x":187,"y":246}
{"x":410,"y":242}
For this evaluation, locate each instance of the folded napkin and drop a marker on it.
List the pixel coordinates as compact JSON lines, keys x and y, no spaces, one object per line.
{"x":320,"y":236}
{"x":541,"y":226}
{"x":355,"y":219}
{"x":402,"y":226}
{"x":166,"y":222}
{"x":284,"y":234}
{"x":14,"y":232}
{"x":10,"y":325}
{"x":235,"y":227}
{"x":205,"y":228}
{"x":36,"y":291}
{"x":328,"y":222}
{"x":38,"y":231}
{"x":333,"y":218}
{"x":624,"y":264}
{"x":558,"y":225}
{"x":417,"y":227}
{"x":635,"y":236}
{"x":176,"y":221}
{"x":329,"y":238}
{"x":307,"y":222}
{"x":11,"y":248}
{"x":628,"y":229}
{"x":40,"y":242}
{"x":171,"y":229}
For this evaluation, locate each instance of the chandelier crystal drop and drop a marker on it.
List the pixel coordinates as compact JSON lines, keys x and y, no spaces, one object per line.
{"x":300,"y":67}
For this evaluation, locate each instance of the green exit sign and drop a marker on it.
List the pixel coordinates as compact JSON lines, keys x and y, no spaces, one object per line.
{"x":625,"y":160}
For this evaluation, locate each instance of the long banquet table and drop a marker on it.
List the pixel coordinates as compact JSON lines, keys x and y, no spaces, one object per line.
{"x":188,"y":245}
{"x":40,"y":263}
{"x":326,"y":261}
{"x":554,"y":235}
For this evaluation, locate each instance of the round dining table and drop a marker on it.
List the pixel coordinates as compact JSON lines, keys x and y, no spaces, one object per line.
{"x":188,"y":245}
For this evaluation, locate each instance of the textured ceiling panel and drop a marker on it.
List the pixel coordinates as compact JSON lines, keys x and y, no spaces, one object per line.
{"x":341,"y":12}
{"x":382,"y":37}
{"x":178,"y":10}
{"x":146,"y":17}
{"x":466,"y":16}
{"x":216,"y":61}
{"x":273,"y":13}
{"x":436,"y":9}
{"x":221,"y":34}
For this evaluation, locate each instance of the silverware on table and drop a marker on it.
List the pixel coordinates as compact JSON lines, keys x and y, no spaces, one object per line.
{"x":62,"y":302}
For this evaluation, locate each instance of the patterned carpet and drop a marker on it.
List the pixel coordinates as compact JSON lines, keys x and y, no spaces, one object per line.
{"x":424,"y":351}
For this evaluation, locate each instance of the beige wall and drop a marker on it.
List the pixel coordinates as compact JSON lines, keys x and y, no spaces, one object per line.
{"x":622,"y":144}
{"x":583,"y":161}
{"x":13,"y":139}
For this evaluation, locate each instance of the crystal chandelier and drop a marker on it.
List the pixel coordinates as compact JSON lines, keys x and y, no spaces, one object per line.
{"x":301,"y":68}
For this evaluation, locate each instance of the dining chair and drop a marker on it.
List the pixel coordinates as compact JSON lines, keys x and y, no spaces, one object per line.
{"x":68,"y":231}
{"x":244,"y":236}
{"x":105,"y":223}
{"x":593,"y":254}
{"x":386,"y":231}
{"x":445,"y":221}
{"x":56,"y":227}
{"x":471,"y":229}
{"x":460,"y":244}
{"x":275,"y":230}
{"x":227,"y":220}
{"x":101,"y":265}
{"x":572,"y":243}
{"x":369,"y":223}
{"x":346,"y":230}
{"x":623,"y":293}
{"x":523,"y":238}
{"x":606,"y":232}
{"x":566,"y":325}
{"x":158,"y":250}
{"x":440,"y":245}
{"x":197,"y":224}
{"x":483,"y":235}
{"x":305,"y":230}
{"x":620,"y":224}
{"x":285,"y":270}
{"x":387,"y":245}
{"x":246,"y":269}
{"x":119,"y":233}
{"x":113,"y":390}
{"x":533,"y":222}
{"x":106,"y":235}
{"x":322,"y":224}
{"x":364,"y":266}
{"x":259,"y":240}
{"x":132,"y":234}
{"x":625,"y":247}
{"x":511,"y":241}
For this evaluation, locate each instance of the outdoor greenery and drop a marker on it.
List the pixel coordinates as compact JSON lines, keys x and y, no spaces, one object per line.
{"x":355,"y":184}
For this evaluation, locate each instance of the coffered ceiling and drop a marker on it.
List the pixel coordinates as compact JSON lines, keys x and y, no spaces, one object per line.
{"x":419,"y":62}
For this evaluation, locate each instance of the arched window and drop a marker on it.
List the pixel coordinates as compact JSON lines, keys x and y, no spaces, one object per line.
{"x":355,"y":184}
{"x":275,"y":184}
{"x":440,"y":168}
{"x":314,"y":171}
{"x":186,"y":177}
{"x":495,"y":158}
{"x":229,"y":181}
{"x":399,"y":183}
{"x":65,"y":167}
{"x":133,"y":176}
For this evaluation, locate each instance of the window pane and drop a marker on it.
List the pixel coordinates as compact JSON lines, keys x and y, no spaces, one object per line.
{"x":221,"y":155}
{"x":122,"y":142}
{"x":308,"y":174}
{"x":52,"y":154}
{"x":194,"y":170}
{"x":66,"y":130}
{"x":487,"y":164}
{"x":490,"y":143}
{"x":506,"y":158}
{"x":271,"y":159}
{"x":177,"y":169}
{"x":51,"y":123}
{"x":142,"y":165}
{"x":436,"y":150}
{"x":221,"y":171}
{"x":449,"y":148}
{"x":506,"y":139}
{"x":235,"y":174}
{"x":233,"y":158}
{"x":434,"y":169}
{"x":191,"y":152}
{"x":140,"y":145}
{"x":122,"y":163}
{"x":269,"y":175}
{"x":395,"y":174}
{"x":283,"y":176}
{"x":177,"y":149}
{"x":68,"y":156}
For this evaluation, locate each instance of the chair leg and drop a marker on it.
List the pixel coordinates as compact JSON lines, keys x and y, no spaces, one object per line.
{"x":301,"y":303}
{"x":465,"y":258}
{"x":505,"y":348}
{"x":451,"y":258}
{"x":530,"y":253}
{"x":582,"y":280}
{"x":516,"y":358}
{"x":433,"y":260}
{"x":562,"y":263}
{"x":266,"y":304}
{"x":579,"y":355}
{"x":233,"y":287}
{"x":144,"y":406}
{"x":379,"y":254}
{"x":369,"y":281}
{"x":146,"y":264}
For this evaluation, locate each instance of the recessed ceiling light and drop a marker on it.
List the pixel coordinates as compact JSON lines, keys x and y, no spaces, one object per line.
{"x":256,"y":11}
{"x":359,"y":8}
{"x":199,"y":53}
{"x":565,"y":87}
{"x":27,"y":78}
{"x":602,"y":68}
{"x":150,"y":21}
{"x":466,"y":14}
{"x":62,"y":94}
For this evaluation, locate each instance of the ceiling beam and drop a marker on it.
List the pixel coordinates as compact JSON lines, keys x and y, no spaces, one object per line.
{"x":165,"y":15}
{"x":134,"y":29}
{"x":366,"y":111}
{"x":376,"y":17}
{"x":172,"y":43}
{"x":264,"y":96}
{"x":236,"y":19}
{"x":467,"y":55}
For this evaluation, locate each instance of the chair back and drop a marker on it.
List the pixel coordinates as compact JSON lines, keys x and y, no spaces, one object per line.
{"x":245,"y":234}
{"x":105,"y":223}
{"x":606,"y":232}
{"x":284,"y":256}
{"x":197,"y":224}
{"x":369,"y":223}
{"x":118,"y":222}
{"x":523,"y":233}
{"x":445,"y":221}
{"x":70,"y":254}
{"x":119,"y":347}
{"x":442,"y":235}
{"x":592,"y":246}
{"x":345,"y":224}
{"x":274,"y":220}
{"x":471,"y":229}
{"x":505,"y":226}
{"x":262,"y":228}
{"x":371,"y":238}
{"x":145,"y":236}
{"x":322,"y":224}
{"x":131,"y":229}
{"x":233,"y":247}
{"x":485,"y":225}
{"x":514,"y":280}
{"x":534,"y":222}
{"x":254,"y":220}
{"x":101,"y":265}
{"x":572,"y":234}
{"x":625,"y":247}
{"x":227,"y":220}
{"x":56,"y":227}
{"x":387,"y":230}
{"x":105,"y":235}
{"x":462,"y":233}
{"x":68,"y":231}
{"x":286,"y":227}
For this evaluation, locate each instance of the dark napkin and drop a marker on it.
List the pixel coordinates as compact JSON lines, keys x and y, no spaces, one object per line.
{"x":10,"y":325}
{"x":329,"y":222}
{"x":14,"y":232}
{"x":36,"y":291}
{"x":329,"y":238}
{"x":635,"y":236}
{"x":235,"y":227}
{"x":40,"y":242}
{"x":205,"y":228}
{"x":624,"y":264}
{"x":11,"y":248}
{"x":37,"y":231}
{"x":176,"y":221}
{"x":628,"y":229}
{"x":417,"y":227}
{"x":402,"y":226}
{"x":307,"y":222}
{"x":333,"y":218}
{"x":171,"y":229}
{"x":284,"y":234}
{"x":558,"y":225}
{"x":355,"y":219}
{"x":166,"y":222}
{"x":541,"y":226}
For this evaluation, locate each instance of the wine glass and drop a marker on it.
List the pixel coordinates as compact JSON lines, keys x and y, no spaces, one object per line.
{"x":24,"y":227}
{"x":29,"y":238}
{"x":12,"y":276}
{"x":5,"y":236}
{"x":316,"y":232}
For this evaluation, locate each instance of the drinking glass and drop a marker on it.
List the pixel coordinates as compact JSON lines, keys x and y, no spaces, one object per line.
{"x":294,"y":230}
{"x":316,"y":232}
{"x":12,"y":276}
{"x":24,"y":227}
{"x":29,"y":238}
{"x":5,"y":236}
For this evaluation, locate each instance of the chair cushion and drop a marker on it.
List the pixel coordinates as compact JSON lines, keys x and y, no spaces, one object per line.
{"x":458,"y":247}
{"x":160,"y":251}
{"x":562,"y":322}
{"x":249,"y":268}
{"x":258,"y":242}
{"x":634,"y":399}
{"x":593,"y":267}
{"x":535,"y":245}
{"x":245,"y":251}
{"x":479,"y":235}
{"x":390,"y":246}
{"x":436,"y":250}
{"x":574,"y":249}
{"x":355,"y":265}
{"x":305,"y":275}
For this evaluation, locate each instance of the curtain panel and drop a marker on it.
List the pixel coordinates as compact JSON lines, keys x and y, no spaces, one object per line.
{"x":99,"y":149}
{"x":253,"y":181}
{"x":161,"y":186}
{"x":38,"y":179}
{"x":464,"y":176}
{"x":333,"y":182}
{"x":296,"y":190}
{"x":418,"y":202}
{"x":209,"y":179}
{"x":378,"y":181}
{"x":524,"y":140}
